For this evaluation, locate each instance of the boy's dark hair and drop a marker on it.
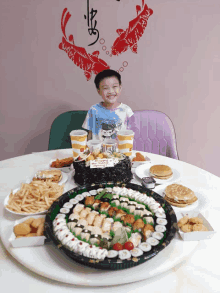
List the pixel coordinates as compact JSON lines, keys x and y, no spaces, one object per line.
{"x":106,"y":73}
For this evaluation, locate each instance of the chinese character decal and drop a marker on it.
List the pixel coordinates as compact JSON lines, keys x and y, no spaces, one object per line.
{"x":92,"y":25}
{"x":128,"y":38}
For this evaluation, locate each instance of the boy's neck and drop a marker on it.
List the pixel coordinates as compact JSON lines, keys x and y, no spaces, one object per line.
{"x":110,"y":106}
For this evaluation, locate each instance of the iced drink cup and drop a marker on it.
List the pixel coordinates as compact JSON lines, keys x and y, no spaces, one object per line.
{"x":94,"y":145}
{"x":125,"y":142}
{"x":78,"y":141}
{"x":109,"y":145}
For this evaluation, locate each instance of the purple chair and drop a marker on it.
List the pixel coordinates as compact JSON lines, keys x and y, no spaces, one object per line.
{"x":154,"y":133}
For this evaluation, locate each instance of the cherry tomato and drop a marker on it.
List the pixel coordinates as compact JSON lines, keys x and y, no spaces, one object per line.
{"x":117,"y":246}
{"x":128,"y":245}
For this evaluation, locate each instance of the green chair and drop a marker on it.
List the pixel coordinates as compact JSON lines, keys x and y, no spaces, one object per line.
{"x":62,"y":126}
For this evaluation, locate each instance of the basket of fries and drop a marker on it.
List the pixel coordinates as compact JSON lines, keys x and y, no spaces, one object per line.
{"x":33,"y":198}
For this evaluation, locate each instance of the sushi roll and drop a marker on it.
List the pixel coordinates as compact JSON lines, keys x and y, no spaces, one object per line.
{"x":58,"y":216}
{"x":59,"y":226}
{"x":96,"y":204}
{"x":93,"y":192}
{"x":116,"y":189}
{"x":77,"y":209}
{"x":61,"y":234}
{"x":138,"y":224}
{"x":73,"y":201}
{"x":106,"y":226}
{"x":99,"y":190}
{"x":160,"y":228}
{"x":147,"y":213}
{"x":85,"y":194}
{"x":112,"y":211}
{"x":160,"y":215}
{"x":123,"y":204}
{"x":124,"y":254}
{"x":136,"y":252}
{"x":109,"y":189}
{"x":116,"y":202}
{"x":60,"y":220}
{"x":89,"y":201}
{"x":149,"y":220}
{"x":79,"y":197}
{"x":115,"y":196}
{"x":152,"y":241}
{"x":91,"y":217}
{"x":158,"y":235}
{"x":72,"y":244}
{"x":135,"y":239}
{"x":102,"y":253}
{"x":128,"y":219}
{"x":67,"y":238}
{"x":131,"y":207}
{"x":81,"y":246}
{"x":139,"y":211}
{"x":73,"y":217}
{"x":104,"y":206}
{"x":68,"y":205}
{"x":95,"y":239}
{"x":84,"y":212}
{"x":161,"y":221}
{"x":116,"y":225}
{"x":130,"y":192}
{"x":95,"y":230}
{"x":64,"y":210}
{"x":119,"y":214}
{"x":93,"y":251}
{"x":99,"y":220}
{"x":122,"y":198}
{"x":72,"y":224}
{"x":145,"y":246}
{"x":78,"y":229}
{"x":112,"y":253}
{"x":83,"y":222}
{"x":160,"y":210}
{"x":85,"y":234}
{"x":124,"y":191}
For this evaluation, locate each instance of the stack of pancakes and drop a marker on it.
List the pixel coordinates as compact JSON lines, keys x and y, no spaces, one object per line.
{"x":179,"y":195}
{"x":161,"y":172}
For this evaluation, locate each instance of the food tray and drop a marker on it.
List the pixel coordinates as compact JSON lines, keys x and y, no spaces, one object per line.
{"x":110,"y":264}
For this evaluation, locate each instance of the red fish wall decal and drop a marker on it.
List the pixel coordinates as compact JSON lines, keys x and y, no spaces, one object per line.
{"x":90,"y":63}
{"x":128,"y":38}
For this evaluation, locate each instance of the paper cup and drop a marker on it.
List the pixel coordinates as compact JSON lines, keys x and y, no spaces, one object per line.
{"x":109,"y":145}
{"x":125,"y":142}
{"x":78,"y":141}
{"x":94,"y":145}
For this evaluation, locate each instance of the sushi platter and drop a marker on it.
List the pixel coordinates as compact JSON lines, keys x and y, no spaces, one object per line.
{"x":110,"y":226}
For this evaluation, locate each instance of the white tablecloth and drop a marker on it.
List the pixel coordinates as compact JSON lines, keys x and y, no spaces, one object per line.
{"x":200,"y":272}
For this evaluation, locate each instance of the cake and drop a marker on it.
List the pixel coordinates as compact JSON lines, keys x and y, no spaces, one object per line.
{"x":86,"y":173}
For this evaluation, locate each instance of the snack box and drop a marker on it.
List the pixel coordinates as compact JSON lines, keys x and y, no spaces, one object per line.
{"x":26,"y":241}
{"x":138,"y":163}
{"x":196,"y":235}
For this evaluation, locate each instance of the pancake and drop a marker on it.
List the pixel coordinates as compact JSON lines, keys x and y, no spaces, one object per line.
{"x":49,"y":175}
{"x":161,"y":172}
{"x":179,"y":195}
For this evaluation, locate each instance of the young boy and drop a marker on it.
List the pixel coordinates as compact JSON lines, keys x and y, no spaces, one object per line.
{"x":106,"y":118}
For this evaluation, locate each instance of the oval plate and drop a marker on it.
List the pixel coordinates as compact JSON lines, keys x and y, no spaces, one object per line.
{"x":110,"y":264}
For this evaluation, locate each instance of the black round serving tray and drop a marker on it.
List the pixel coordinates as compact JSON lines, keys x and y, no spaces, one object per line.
{"x":116,"y":263}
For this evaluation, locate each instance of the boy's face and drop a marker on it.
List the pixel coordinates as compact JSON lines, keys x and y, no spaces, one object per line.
{"x":109,"y":90}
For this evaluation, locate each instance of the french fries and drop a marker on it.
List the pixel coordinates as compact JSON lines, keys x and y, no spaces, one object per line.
{"x":34,"y":197}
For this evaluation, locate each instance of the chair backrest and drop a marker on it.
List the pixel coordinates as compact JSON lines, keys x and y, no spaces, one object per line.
{"x":154,"y":131}
{"x":62,"y":126}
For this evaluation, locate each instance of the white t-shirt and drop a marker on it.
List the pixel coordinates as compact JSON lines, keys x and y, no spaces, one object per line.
{"x":105,"y":123}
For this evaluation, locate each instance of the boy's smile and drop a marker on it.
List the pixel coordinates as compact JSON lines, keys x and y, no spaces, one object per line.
{"x":109,"y":90}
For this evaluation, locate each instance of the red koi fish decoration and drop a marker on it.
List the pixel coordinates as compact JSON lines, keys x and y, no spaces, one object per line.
{"x":133,"y":33}
{"x":90,"y":63}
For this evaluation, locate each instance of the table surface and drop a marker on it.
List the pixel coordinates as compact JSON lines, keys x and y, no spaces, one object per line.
{"x":199,"y":272}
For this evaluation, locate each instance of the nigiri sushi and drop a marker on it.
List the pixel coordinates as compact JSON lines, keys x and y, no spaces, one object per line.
{"x":106,"y":226}
{"x":77,"y":209}
{"x":99,"y":220}
{"x":84,"y":212}
{"x":91,"y":216}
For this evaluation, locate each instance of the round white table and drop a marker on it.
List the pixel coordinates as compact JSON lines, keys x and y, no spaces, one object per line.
{"x":181,"y":267}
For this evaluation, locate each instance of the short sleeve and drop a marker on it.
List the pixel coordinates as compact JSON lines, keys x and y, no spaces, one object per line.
{"x":88,"y":122}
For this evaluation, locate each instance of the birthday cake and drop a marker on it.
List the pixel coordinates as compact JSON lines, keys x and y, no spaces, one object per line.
{"x":102,"y":167}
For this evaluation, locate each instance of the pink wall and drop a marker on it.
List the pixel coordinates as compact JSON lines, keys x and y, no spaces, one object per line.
{"x":176,"y":70}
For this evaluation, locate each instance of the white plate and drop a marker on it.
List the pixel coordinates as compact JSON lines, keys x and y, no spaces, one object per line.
{"x":64,"y":179}
{"x":144,"y":171}
{"x":202,"y":203}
